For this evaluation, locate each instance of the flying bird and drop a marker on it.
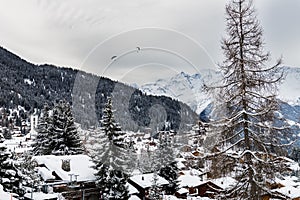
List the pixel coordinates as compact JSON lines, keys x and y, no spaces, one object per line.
{"x":113,"y":58}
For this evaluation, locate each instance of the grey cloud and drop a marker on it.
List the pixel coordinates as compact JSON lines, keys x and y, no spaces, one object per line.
{"x":65,"y":32}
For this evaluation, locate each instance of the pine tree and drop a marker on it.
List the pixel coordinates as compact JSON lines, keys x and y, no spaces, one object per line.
{"x":110,"y":158}
{"x":245,"y":103}
{"x":9,"y":176}
{"x":64,"y":136}
{"x":42,"y":142}
{"x":145,"y":161}
{"x":168,"y":166}
{"x":27,"y":170}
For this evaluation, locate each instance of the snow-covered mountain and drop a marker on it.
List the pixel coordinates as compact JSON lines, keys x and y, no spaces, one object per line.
{"x":189,"y":88}
{"x":184,"y":87}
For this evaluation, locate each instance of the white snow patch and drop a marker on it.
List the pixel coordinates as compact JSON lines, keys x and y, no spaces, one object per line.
{"x":40,"y":196}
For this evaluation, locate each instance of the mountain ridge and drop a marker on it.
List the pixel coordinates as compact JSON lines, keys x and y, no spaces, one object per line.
{"x":31,"y":86}
{"x":289,"y":89}
{"x":189,"y":89}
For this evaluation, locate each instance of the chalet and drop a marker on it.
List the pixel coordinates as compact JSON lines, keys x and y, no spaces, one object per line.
{"x":68,"y":176}
{"x":192,"y":185}
{"x":143,"y":183}
{"x":225,"y":182}
{"x":290,"y":192}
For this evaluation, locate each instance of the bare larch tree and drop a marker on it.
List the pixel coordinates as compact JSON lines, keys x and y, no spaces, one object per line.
{"x":244,"y":107}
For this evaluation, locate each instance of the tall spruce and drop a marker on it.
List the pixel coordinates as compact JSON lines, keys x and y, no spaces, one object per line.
{"x":42,"y":141}
{"x":168,"y":167}
{"x":110,"y":158}
{"x":65,"y":139}
{"x":245,"y":102}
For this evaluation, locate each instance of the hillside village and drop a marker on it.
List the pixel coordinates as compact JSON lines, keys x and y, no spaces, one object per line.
{"x":72,"y":177}
{"x":66,"y":134}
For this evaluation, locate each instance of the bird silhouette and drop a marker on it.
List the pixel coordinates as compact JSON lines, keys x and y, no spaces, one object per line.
{"x":113,"y":57}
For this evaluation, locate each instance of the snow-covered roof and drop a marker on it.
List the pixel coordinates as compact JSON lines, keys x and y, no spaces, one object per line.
{"x":289,"y":191}
{"x":192,"y":172}
{"x":224,"y":182}
{"x":180,"y":159}
{"x":189,"y":181}
{"x":170,"y":197}
{"x":182,"y":191}
{"x":286,"y":181}
{"x":131,"y":189}
{"x":40,"y":196}
{"x":134,"y":197}
{"x":79,"y":165}
{"x":180,"y":165}
{"x":145,"y":180}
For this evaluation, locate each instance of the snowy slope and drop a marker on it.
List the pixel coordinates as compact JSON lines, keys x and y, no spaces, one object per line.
{"x":189,"y":88}
{"x":184,"y":87}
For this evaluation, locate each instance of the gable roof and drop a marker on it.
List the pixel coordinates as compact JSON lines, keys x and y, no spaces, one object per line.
{"x":289,"y":191}
{"x":79,"y":165}
{"x":224,"y":182}
{"x":189,"y":181}
{"x":145,"y":180}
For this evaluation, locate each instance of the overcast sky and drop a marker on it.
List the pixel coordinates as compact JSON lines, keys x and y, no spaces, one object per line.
{"x":171,"y":35}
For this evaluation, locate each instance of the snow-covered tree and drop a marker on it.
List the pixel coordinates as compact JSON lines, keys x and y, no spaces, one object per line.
{"x":42,"y":141}
{"x":145,"y":160}
{"x":166,"y":157}
{"x":9,"y":176}
{"x":110,"y":157}
{"x":132,"y":162}
{"x":26,"y":166}
{"x":64,"y":136}
{"x":111,"y":128}
{"x":155,"y":191}
{"x":244,"y":106}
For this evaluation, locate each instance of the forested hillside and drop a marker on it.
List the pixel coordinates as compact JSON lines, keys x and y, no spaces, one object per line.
{"x":31,"y":86}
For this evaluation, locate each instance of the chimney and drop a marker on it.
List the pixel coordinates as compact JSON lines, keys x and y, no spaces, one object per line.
{"x":65,"y":165}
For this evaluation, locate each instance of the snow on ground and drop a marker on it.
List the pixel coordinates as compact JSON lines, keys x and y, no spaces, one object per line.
{"x":5,"y":195}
